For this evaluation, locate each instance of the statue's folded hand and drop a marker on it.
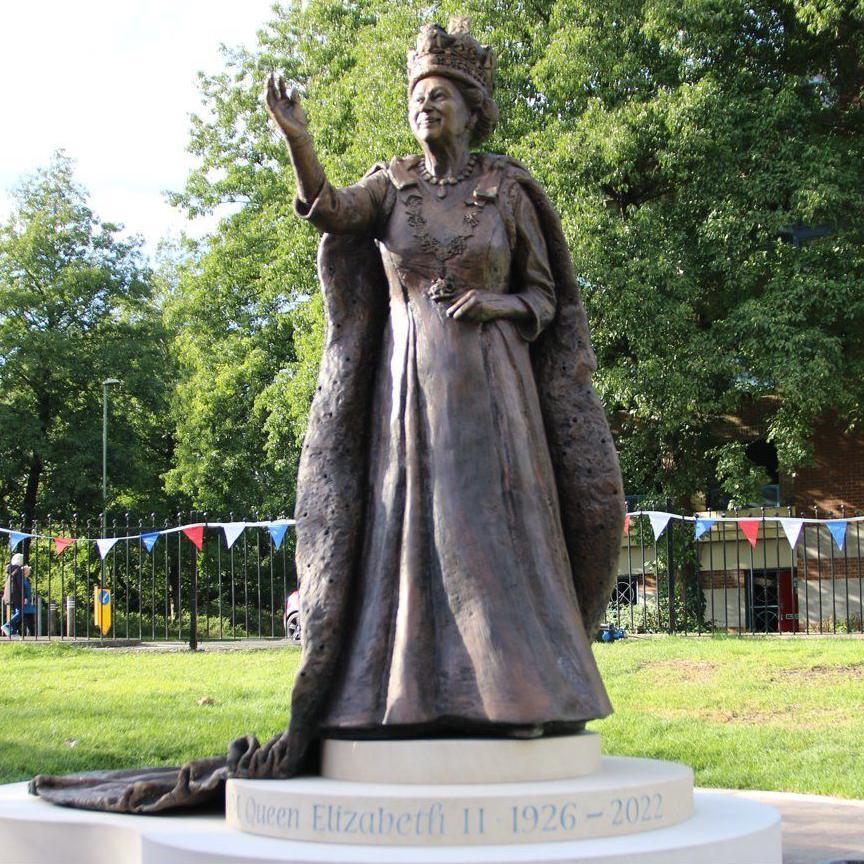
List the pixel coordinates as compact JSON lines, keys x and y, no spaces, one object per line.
{"x":483,"y":306}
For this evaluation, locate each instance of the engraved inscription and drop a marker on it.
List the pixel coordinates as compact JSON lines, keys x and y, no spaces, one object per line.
{"x":378,"y":821}
{"x":641,"y":808}
{"x":253,"y":814}
{"x":438,"y":822}
{"x":545,"y":818}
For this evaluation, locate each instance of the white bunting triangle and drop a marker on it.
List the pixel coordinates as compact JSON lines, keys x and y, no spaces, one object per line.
{"x":106,"y":544}
{"x":659,"y":521}
{"x":232,"y":531}
{"x":792,"y":530}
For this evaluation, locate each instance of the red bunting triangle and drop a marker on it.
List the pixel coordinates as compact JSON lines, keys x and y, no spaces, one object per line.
{"x":750,"y":529}
{"x":626,"y":524}
{"x":60,"y":543}
{"x":196,"y":534}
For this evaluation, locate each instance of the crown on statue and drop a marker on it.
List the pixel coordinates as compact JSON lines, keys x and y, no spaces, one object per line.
{"x":454,"y":53}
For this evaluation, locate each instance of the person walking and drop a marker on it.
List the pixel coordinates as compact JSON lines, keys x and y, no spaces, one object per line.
{"x":13,"y":593}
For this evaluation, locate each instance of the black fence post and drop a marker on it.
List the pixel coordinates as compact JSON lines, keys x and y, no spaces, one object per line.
{"x":179,"y":578}
{"x":670,"y":569}
{"x":114,"y":581}
{"x":206,"y":581}
{"x":73,"y":532}
{"x":193,"y":603}
{"x":51,"y":602}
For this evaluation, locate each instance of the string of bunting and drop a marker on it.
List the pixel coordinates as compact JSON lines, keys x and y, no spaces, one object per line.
{"x":277,"y":528}
{"x":748,"y":525}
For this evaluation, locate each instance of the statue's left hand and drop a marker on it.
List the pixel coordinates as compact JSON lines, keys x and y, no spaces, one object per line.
{"x":487,"y":306}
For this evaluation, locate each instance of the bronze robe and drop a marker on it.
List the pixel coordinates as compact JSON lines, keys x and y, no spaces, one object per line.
{"x":464,"y":615}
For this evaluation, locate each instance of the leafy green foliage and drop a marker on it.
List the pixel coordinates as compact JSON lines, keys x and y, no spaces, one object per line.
{"x":77,"y":306}
{"x":691,"y":136}
{"x":678,"y":142}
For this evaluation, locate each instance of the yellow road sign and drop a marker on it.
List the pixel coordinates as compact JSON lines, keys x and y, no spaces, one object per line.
{"x":102,"y":609}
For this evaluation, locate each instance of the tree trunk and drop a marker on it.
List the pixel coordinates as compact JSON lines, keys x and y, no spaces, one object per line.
{"x":33,"y":477}
{"x":34,"y":474}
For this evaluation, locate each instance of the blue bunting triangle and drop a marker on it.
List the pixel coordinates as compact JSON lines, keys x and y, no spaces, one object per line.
{"x":149,"y":540}
{"x":837,"y":527}
{"x":703,"y":526}
{"x":15,"y":537}
{"x":277,"y":532}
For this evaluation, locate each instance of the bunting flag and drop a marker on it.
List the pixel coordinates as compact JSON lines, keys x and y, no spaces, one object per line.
{"x":232,"y":531}
{"x":703,"y":526}
{"x":196,"y":534}
{"x":15,"y":537}
{"x":149,"y":540}
{"x":792,"y":529}
{"x":626,"y":524}
{"x":659,"y":521}
{"x":837,"y":527}
{"x":750,"y":529}
{"x":61,"y":543}
{"x":277,"y":532}
{"x":106,"y":544}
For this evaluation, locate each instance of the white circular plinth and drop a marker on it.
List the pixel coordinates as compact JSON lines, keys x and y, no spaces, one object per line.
{"x":722,"y":830}
{"x":461,"y":760}
{"x":625,"y":796}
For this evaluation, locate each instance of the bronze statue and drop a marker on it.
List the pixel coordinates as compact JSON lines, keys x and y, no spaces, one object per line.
{"x":459,"y":500}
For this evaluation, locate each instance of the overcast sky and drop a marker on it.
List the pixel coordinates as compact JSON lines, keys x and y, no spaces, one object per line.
{"x":113,"y":83}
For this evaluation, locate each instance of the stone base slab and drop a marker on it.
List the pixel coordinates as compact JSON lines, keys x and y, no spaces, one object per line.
{"x":625,"y":796}
{"x":461,"y":760}
{"x":722,"y":830}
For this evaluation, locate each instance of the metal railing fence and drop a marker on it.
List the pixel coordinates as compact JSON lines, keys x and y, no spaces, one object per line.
{"x":677,"y":582}
{"x":722,"y":581}
{"x":173,"y":593}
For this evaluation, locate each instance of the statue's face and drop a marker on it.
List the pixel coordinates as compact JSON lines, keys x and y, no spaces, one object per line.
{"x":438,"y":111}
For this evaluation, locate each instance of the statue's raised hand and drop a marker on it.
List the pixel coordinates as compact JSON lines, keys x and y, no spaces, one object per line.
{"x":285,"y":108}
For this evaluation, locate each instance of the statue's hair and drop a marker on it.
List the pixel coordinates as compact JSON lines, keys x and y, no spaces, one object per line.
{"x":481,"y":104}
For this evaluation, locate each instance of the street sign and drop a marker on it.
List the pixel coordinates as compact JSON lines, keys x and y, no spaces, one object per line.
{"x":102,"y":609}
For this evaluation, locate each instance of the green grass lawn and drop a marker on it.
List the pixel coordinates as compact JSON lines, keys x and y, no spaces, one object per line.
{"x":745,"y":713}
{"x":785,"y":715}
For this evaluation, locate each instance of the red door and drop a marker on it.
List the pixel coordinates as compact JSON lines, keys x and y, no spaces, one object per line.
{"x":787,"y":595}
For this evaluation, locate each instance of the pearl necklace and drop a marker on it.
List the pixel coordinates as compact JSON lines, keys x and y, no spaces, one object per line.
{"x":449,"y":180}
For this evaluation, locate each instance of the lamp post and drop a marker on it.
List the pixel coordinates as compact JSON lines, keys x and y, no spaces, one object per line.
{"x":105,"y":385}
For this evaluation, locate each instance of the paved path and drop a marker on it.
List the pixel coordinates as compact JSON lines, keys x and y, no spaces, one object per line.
{"x":816,"y":829}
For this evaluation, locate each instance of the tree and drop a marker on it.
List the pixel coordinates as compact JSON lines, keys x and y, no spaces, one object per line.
{"x":693,"y":138}
{"x":76,"y":306}
{"x":682,"y":145}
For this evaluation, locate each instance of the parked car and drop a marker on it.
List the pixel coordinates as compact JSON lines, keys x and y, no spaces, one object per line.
{"x":292,"y":617}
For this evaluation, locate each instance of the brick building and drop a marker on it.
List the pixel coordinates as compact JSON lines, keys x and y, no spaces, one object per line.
{"x":817,"y":587}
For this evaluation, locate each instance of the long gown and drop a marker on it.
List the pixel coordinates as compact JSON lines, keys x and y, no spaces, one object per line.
{"x":465,"y":615}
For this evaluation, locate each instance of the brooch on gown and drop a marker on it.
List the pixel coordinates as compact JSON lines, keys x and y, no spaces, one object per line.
{"x":442,"y":290}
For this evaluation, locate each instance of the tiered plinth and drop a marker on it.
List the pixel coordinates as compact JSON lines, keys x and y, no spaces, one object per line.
{"x":570,"y":806}
{"x":464,"y":807}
